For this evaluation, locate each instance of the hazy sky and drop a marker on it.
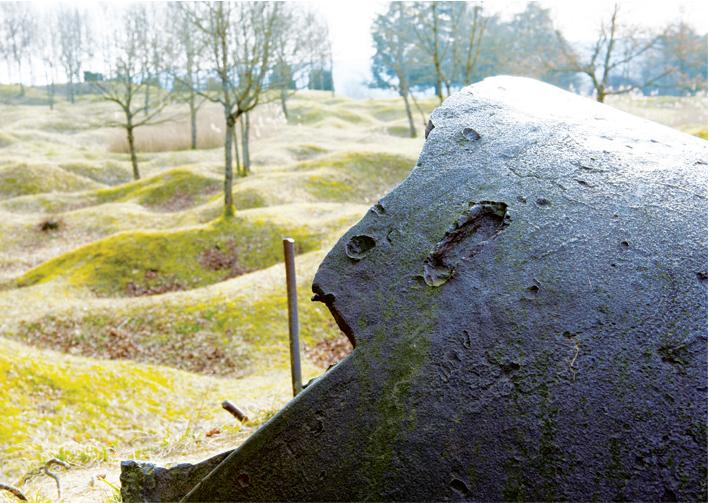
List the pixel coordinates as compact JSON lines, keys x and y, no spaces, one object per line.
{"x":349,"y":22}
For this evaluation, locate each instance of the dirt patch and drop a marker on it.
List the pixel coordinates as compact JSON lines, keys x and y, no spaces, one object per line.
{"x":202,"y":351}
{"x":329,"y":351}
{"x":180,"y":200}
{"x":184,"y":199}
{"x":222,"y":258}
{"x":154,"y":284}
{"x":51,"y":225}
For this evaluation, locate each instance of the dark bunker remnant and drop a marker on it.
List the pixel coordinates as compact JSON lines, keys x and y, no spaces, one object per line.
{"x":553,"y":363}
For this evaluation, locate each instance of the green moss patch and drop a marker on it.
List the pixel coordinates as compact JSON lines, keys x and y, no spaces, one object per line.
{"x":700,"y":132}
{"x":86,"y":411}
{"x":355,"y":176}
{"x":145,"y":263}
{"x":238,"y":329}
{"x":302,"y":112}
{"x":246,"y":198}
{"x":22,"y":179}
{"x":171,"y":190}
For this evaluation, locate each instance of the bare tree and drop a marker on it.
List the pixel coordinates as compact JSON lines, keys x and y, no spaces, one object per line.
{"x":186,"y":55}
{"x":437,"y":27}
{"x":685,"y":50}
{"x":238,"y":37}
{"x":616,"y":47}
{"x":469,"y":44}
{"x":72,"y":36}
{"x":49,"y":54}
{"x":127,"y":84}
{"x":300,"y":39}
{"x":155,"y":45}
{"x":395,"y":56}
{"x":17,"y":29}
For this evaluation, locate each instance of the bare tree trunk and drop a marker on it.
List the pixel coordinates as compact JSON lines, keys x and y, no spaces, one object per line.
{"x":245,"y":127}
{"x":412,"y":128}
{"x":228,"y":173}
{"x":424,"y":121}
{"x":284,"y":99}
{"x":600,"y":94}
{"x":332,"y":75}
{"x":50,"y":90}
{"x":436,"y":55}
{"x":70,"y":89}
{"x":193,"y":121}
{"x":236,"y":152}
{"x":147,"y":98}
{"x":19,"y":74}
{"x":131,"y":147}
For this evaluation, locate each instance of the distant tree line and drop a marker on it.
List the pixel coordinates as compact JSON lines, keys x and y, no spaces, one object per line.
{"x":443,"y":46}
{"x":239,"y":55}
{"x":236,"y":54}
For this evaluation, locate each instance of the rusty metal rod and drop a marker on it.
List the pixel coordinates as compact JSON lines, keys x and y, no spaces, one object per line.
{"x":14,"y":491}
{"x":289,"y":254}
{"x":235,"y":411}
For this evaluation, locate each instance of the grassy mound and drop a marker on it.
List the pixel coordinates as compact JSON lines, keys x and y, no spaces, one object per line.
{"x":6,"y":139}
{"x":347,"y":177}
{"x":399,"y":130}
{"x":237,"y":327}
{"x":698,"y":131}
{"x":145,"y":263}
{"x":85,"y":411}
{"x":55,"y":202}
{"x":23,"y":179}
{"x":171,"y":190}
{"x":355,"y":176}
{"x":314,"y":112}
{"x":307,"y":151}
{"x":111,"y":173}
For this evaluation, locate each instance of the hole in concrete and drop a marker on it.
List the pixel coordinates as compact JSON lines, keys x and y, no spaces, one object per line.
{"x":543,"y":201}
{"x":359,"y":246}
{"x":459,"y":486}
{"x":243,"y":480}
{"x":378,"y":209}
{"x":669,"y":495}
{"x":470,"y":134}
{"x":464,"y":239}
{"x":509,"y":367}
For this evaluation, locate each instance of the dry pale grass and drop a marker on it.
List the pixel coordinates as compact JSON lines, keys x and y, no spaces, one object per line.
{"x":174,"y":135}
{"x":685,"y":113}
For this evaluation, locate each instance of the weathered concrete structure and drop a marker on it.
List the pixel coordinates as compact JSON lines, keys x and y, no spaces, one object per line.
{"x":529,"y":312}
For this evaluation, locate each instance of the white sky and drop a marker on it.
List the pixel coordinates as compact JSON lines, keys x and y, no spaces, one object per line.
{"x":349,"y":22}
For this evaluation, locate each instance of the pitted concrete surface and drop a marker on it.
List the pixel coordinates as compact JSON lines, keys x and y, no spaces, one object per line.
{"x":529,"y":314}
